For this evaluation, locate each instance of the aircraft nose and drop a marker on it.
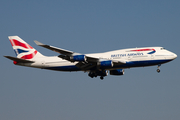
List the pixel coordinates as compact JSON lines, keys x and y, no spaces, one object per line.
{"x":175,"y":56}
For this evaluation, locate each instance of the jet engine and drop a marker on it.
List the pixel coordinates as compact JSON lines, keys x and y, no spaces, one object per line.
{"x":117,"y":72}
{"x":78,"y":58}
{"x":108,"y":63}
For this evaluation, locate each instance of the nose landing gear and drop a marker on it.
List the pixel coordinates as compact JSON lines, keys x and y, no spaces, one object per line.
{"x":158,"y":70}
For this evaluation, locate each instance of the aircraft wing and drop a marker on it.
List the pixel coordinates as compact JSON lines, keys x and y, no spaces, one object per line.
{"x":65,"y":54}
{"x":59,"y":50}
{"x":85,"y":62}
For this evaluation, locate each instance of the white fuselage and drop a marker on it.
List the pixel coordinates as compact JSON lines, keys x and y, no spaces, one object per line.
{"x":133,"y":57}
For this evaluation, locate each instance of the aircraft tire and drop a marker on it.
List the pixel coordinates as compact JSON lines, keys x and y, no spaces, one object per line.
{"x":158,"y":70}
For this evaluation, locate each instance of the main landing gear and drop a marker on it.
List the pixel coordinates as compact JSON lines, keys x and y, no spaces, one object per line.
{"x":96,"y":73}
{"x":158,"y":70}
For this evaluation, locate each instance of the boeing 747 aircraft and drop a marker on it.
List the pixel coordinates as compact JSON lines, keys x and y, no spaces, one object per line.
{"x":97,"y":64}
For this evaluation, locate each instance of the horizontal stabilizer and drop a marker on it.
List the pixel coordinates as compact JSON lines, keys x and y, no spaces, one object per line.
{"x":19,"y":59}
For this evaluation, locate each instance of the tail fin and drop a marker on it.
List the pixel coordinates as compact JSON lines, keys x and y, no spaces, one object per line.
{"x":22,"y":49}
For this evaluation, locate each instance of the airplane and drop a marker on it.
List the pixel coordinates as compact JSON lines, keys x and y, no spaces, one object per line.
{"x":97,"y":64}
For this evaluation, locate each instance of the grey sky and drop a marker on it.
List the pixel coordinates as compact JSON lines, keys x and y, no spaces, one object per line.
{"x":89,"y":27}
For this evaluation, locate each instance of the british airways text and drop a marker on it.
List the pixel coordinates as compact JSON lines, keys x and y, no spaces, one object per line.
{"x":124,"y":55}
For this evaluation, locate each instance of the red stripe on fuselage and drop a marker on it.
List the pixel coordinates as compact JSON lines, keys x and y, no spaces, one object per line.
{"x":144,"y":50}
{"x":30,"y":56}
{"x":17,"y":43}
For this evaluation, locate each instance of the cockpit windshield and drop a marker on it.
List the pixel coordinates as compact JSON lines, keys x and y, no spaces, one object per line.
{"x":163,"y":49}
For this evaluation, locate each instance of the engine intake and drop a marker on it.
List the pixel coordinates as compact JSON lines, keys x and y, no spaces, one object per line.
{"x":117,"y":72}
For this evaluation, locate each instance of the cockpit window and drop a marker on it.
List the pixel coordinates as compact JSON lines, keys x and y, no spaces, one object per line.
{"x":162,"y":48}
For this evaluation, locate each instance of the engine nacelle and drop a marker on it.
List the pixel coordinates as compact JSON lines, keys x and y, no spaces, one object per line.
{"x":117,"y":72}
{"x":78,"y":58}
{"x":108,"y":63}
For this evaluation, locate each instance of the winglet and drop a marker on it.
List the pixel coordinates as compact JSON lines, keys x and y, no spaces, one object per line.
{"x":38,"y":43}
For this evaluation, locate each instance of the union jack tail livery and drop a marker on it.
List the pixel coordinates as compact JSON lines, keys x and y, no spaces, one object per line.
{"x":22,"y":49}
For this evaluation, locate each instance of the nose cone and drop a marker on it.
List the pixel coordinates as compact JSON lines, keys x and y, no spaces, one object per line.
{"x":175,"y":56}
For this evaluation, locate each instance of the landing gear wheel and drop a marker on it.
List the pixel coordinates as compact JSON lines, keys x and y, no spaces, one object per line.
{"x":101,"y":77}
{"x":158,"y":70}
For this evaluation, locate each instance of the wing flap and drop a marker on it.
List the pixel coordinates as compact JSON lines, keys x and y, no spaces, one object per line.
{"x":92,"y":59}
{"x":95,"y":60}
{"x":117,"y":62}
{"x":85,"y":66}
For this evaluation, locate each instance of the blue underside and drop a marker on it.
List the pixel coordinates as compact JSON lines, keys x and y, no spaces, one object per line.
{"x":127,"y":65}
